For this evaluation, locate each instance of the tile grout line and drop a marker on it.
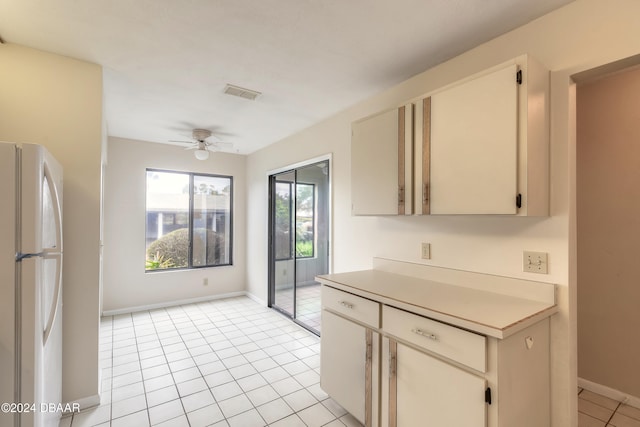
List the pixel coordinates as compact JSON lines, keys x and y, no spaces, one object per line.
{"x":253,"y":406}
{"x":189,"y":323}
{"x":235,"y":380}
{"x":165,"y":357}
{"x":615,"y":411}
{"x":612,"y":414}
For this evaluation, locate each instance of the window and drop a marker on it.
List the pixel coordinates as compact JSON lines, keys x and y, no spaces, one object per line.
{"x":304,"y":220}
{"x":188,"y":220}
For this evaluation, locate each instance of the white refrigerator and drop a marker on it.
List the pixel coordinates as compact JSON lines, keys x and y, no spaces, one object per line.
{"x":30,"y":286}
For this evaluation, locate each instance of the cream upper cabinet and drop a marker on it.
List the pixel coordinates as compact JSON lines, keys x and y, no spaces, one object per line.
{"x":484,"y":142}
{"x":477,"y":146}
{"x":381,"y":172}
{"x":474,"y":144}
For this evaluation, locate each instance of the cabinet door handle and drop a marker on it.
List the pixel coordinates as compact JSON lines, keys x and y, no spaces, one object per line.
{"x":425,"y":334}
{"x":346,"y":304}
{"x":401,"y":194}
{"x":392,"y":359}
{"x":368,"y":402}
{"x":425,"y":194}
{"x":393,"y":384}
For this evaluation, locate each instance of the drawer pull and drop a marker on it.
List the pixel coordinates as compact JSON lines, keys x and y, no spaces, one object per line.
{"x":346,"y":304}
{"x":425,"y":334}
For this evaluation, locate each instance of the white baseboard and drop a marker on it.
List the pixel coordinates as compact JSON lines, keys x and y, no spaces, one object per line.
{"x":146,"y":307}
{"x":85,"y":402}
{"x":609,"y":392}
{"x":256,"y":299}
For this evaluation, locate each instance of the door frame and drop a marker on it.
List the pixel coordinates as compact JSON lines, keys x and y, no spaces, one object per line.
{"x":566,"y":82}
{"x":329,"y":159}
{"x":585,"y":77}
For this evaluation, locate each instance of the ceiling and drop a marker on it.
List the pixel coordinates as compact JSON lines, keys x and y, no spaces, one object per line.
{"x":166,"y":62}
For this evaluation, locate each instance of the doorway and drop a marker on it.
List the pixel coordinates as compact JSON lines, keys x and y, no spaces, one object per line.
{"x":608,"y":231}
{"x":299,"y":218}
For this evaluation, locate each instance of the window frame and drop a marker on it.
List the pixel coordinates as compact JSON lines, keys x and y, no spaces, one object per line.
{"x":293,"y":218}
{"x":313,"y":221}
{"x":291,"y":251}
{"x":190,"y":214}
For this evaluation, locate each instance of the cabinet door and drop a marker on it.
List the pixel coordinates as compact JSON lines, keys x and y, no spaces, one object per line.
{"x":424,"y":391}
{"x":346,"y":366}
{"x":474,"y":146}
{"x":381,"y":175}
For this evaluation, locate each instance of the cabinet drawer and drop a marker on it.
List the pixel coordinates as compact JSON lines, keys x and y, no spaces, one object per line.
{"x":355,"y":307}
{"x":454,"y":343}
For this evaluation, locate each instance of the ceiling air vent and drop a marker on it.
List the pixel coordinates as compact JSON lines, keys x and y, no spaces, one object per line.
{"x":241,"y":92}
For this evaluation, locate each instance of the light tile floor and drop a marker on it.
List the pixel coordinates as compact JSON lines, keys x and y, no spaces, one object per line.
{"x":600,"y":411}
{"x":308,"y":304}
{"x":229,"y":363}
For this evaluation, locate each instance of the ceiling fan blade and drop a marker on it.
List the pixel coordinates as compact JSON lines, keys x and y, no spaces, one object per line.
{"x":204,"y":139}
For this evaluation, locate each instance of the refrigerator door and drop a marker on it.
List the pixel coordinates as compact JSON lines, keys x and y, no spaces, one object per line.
{"x":8,"y":196}
{"x":51,"y":297}
{"x":40,"y":283}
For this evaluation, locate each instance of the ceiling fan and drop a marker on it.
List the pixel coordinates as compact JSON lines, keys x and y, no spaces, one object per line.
{"x":201,"y":145}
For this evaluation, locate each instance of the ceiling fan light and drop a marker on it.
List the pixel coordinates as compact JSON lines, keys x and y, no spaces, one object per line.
{"x":201,"y":154}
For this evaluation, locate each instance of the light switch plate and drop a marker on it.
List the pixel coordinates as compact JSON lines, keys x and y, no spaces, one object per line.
{"x":426,"y":250}
{"x":535,"y":262}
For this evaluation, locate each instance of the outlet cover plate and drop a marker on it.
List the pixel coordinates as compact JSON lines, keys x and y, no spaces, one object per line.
{"x":535,"y":262}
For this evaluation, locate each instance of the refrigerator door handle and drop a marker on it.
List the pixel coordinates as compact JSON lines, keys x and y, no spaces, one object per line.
{"x":57,"y":209}
{"x":56,"y":297}
{"x":54,"y":253}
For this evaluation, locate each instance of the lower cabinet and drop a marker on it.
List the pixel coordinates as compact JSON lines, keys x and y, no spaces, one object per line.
{"x":420,"y":390}
{"x":349,"y":361}
{"x":394,"y":368}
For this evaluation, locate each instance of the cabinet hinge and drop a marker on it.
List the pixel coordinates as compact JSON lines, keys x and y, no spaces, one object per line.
{"x":519,"y":77}
{"x":519,"y":200}
{"x":487,"y":395}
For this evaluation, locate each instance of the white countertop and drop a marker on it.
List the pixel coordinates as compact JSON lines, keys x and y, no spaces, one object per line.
{"x":486,"y":312}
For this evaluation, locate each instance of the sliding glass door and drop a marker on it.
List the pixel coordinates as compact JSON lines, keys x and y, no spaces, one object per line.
{"x":299,"y":241}
{"x":282,"y":236}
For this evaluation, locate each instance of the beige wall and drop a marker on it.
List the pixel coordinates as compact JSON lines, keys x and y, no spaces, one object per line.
{"x":57,"y":102}
{"x":580,"y":36}
{"x":608,"y":183}
{"x":126,"y":285}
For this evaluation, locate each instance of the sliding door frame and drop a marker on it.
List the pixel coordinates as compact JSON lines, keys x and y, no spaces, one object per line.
{"x":270,"y":230}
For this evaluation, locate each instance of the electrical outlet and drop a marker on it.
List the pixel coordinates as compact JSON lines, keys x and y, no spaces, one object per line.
{"x":535,"y":262}
{"x":426,"y":250}
{"x":205,"y":281}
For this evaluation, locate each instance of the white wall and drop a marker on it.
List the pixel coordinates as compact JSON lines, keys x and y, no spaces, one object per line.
{"x":580,"y":36}
{"x":57,"y":102}
{"x":126,"y":285}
